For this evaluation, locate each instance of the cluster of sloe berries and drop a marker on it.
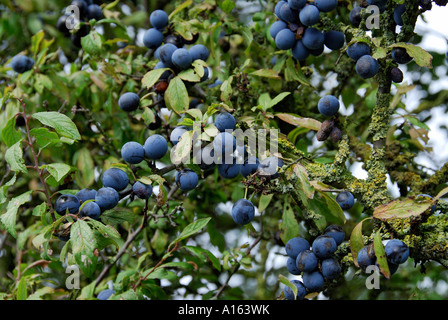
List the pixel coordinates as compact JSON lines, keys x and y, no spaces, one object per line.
{"x":170,"y":49}
{"x":92,"y":203}
{"x":87,"y":11}
{"x":297,"y":30}
{"x":316,"y":263}
{"x":366,"y":66}
{"x":223,"y":153}
{"x":225,"y":147}
{"x":209,"y":157}
{"x":397,"y":252}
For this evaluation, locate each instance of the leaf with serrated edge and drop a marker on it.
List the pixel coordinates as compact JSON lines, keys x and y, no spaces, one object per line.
{"x":60,"y":122}
{"x":422,"y":57}
{"x":266,"y":73}
{"x":14,"y":157}
{"x":151,"y":77}
{"x":176,"y":96}
{"x":299,"y":121}
{"x":8,"y":219}
{"x":191,"y":229}
{"x":401,"y":209}
{"x":182,"y":149}
{"x":305,"y":184}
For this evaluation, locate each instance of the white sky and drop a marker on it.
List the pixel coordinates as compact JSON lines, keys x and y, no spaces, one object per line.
{"x":435,"y":30}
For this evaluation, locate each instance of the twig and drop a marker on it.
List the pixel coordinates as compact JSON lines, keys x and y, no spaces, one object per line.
{"x":235,"y":269}
{"x":128,"y":242}
{"x":36,"y":161}
{"x":166,"y":256}
{"x":132,"y":236}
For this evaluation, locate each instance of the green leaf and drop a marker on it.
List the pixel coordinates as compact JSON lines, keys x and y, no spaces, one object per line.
{"x":148,"y":116}
{"x":36,"y":41}
{"x":279,"y":98}
{"x":199,"y":66}
{"x":45,"y":137}
{"x":266,"y":73}
{"x":422,"y":57}
{"x":181,"y":7}
{"x":88,"y":291}
{"x":380,"y":53}
{"x":159,"y":241}
{"x":43,"y":81}
{"x":333,"y":208}
{"x":191,"y":229}
{"x":182,"y":149}
{"x":183,"y":28}
{"x":440,"y":194}
{"x":160,"y":273}
{"x":401,"y":209}
{"x":195,"y":113}
{"x":57,"y":170}
{"x":10,"y":135}
{"x":264,"y":201}
{"x":180,"y":264}
{"x":304,"y":182}
{"x":211,"y":130}
{"x":9,"y":218}
{"x":189,"y":75}
{"x":176,"y":96}
{"x":356,"y":241}
{"x":117,"y":216}
{"x":151,"y":77}
{"x":204,"y":254}
{"x":226,"y":89}
{"x":226,"y":5}
{"x":381,"y":258}
{"x":297,"y":120}
{"x":288,"y":283}
{"x":265,"y":101}
{"x":40,"y":209}
{"x":83,"y":245}
{"x":107,"y":231}
{"x":21,"y":289}
{"x":289,"y":225}
{"x":37,"y":295}
{"x":92,"y":43}
{"x":14,"y":157}
{"x":85,"y":176}
{"x":294,"y":73}
{"x":417,"y":122}
{"x":60,"y":122}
